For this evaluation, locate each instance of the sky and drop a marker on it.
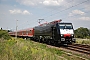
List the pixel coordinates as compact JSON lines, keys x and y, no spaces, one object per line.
{"x":26,"y":13}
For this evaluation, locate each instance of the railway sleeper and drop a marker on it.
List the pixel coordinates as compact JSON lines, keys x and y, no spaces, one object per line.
{"x":82,"y":51}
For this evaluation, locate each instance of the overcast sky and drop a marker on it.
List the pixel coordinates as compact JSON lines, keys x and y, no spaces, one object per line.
{"x":27,"y":12}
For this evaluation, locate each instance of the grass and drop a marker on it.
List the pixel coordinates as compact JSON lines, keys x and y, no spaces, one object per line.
{"x":83,"y":41}
{"x":25,"y":50}
{"x":21,"y":49}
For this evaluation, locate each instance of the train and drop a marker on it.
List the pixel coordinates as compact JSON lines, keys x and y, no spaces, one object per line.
{"x":53,"y":32}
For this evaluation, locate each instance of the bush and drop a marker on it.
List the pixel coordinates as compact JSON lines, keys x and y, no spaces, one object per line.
{"x":88,"y":37}
{"x":82,"y":33}
{"x":4,"y":34}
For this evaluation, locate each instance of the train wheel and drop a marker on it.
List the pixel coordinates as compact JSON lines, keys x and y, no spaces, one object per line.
{"x":49,"y":42}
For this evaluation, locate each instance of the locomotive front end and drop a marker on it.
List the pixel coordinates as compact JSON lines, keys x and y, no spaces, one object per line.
{"x":66,"y":32}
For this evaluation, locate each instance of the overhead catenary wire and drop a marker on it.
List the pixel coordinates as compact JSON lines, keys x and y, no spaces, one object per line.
{"x":69,"y":16}
{"x":64,"y":9}
{"x":45,"y":13}
{"x":55,"y":9}
{"x":67,"y":8}
{"x":75,"y":15}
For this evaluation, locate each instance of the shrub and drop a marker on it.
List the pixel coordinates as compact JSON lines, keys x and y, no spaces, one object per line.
{"x":4,"y":34}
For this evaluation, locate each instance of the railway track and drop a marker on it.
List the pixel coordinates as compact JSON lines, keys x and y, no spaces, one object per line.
{"x":79,"y":48}
{"x":74,"y":47}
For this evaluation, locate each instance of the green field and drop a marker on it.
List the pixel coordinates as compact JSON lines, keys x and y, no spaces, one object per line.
{"x":83,"y":41}
{"x":21,"y":49}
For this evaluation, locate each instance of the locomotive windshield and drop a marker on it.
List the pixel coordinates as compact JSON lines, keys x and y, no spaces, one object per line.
{"x":65,"y":26}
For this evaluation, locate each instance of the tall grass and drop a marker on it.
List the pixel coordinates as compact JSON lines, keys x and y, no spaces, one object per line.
{"x":83,"y":41}
{"x":24,"y":50}
{"x":21,"y":49}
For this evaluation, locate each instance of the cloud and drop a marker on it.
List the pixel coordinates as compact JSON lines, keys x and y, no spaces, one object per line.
{"x":52,"y":2}
{"x":87,"y":7}
{"x":38,"y":2}
{"x":28,"y":2}
{"x":76,"y":12}
{"x":84,"y":18}
{"x":15,"y":11}
{"x":18,"y":11}
{"x":25,"y":12}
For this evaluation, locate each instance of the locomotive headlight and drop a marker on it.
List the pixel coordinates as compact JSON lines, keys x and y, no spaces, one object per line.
{"x":61,"y":35}
{"x":72,"y":35}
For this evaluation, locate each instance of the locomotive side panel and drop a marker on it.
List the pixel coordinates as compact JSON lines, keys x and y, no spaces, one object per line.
{"x":45,"y":30}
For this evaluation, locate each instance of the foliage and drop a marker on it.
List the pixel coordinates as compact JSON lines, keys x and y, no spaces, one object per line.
{"x":24,"y":50}
{"x":83,"y":41}
{"x":19,"y":49}
{"x":82,"y":33}
{"x":4,"y":34}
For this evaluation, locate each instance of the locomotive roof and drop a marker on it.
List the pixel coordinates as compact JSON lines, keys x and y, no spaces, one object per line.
{"x":26,"y":29}
{"x":53,"y":22}
{"x":65,"y":23}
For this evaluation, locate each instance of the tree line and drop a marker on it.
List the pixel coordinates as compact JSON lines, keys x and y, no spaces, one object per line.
{"x":82,"y":32}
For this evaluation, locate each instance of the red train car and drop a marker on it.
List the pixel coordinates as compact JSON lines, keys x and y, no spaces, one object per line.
{"x":23,"y":33}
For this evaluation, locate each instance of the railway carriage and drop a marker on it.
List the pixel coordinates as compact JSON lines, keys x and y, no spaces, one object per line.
{"x":26,"y":33}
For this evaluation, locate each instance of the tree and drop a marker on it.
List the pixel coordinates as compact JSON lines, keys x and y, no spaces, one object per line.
{"x":4,"y":34}
{"x":82,"y":32}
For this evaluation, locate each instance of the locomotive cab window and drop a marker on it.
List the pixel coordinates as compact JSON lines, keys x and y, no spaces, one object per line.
{"x":62,"y":26}
{"x":65,"y":26}
{"x":68,"y":26}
